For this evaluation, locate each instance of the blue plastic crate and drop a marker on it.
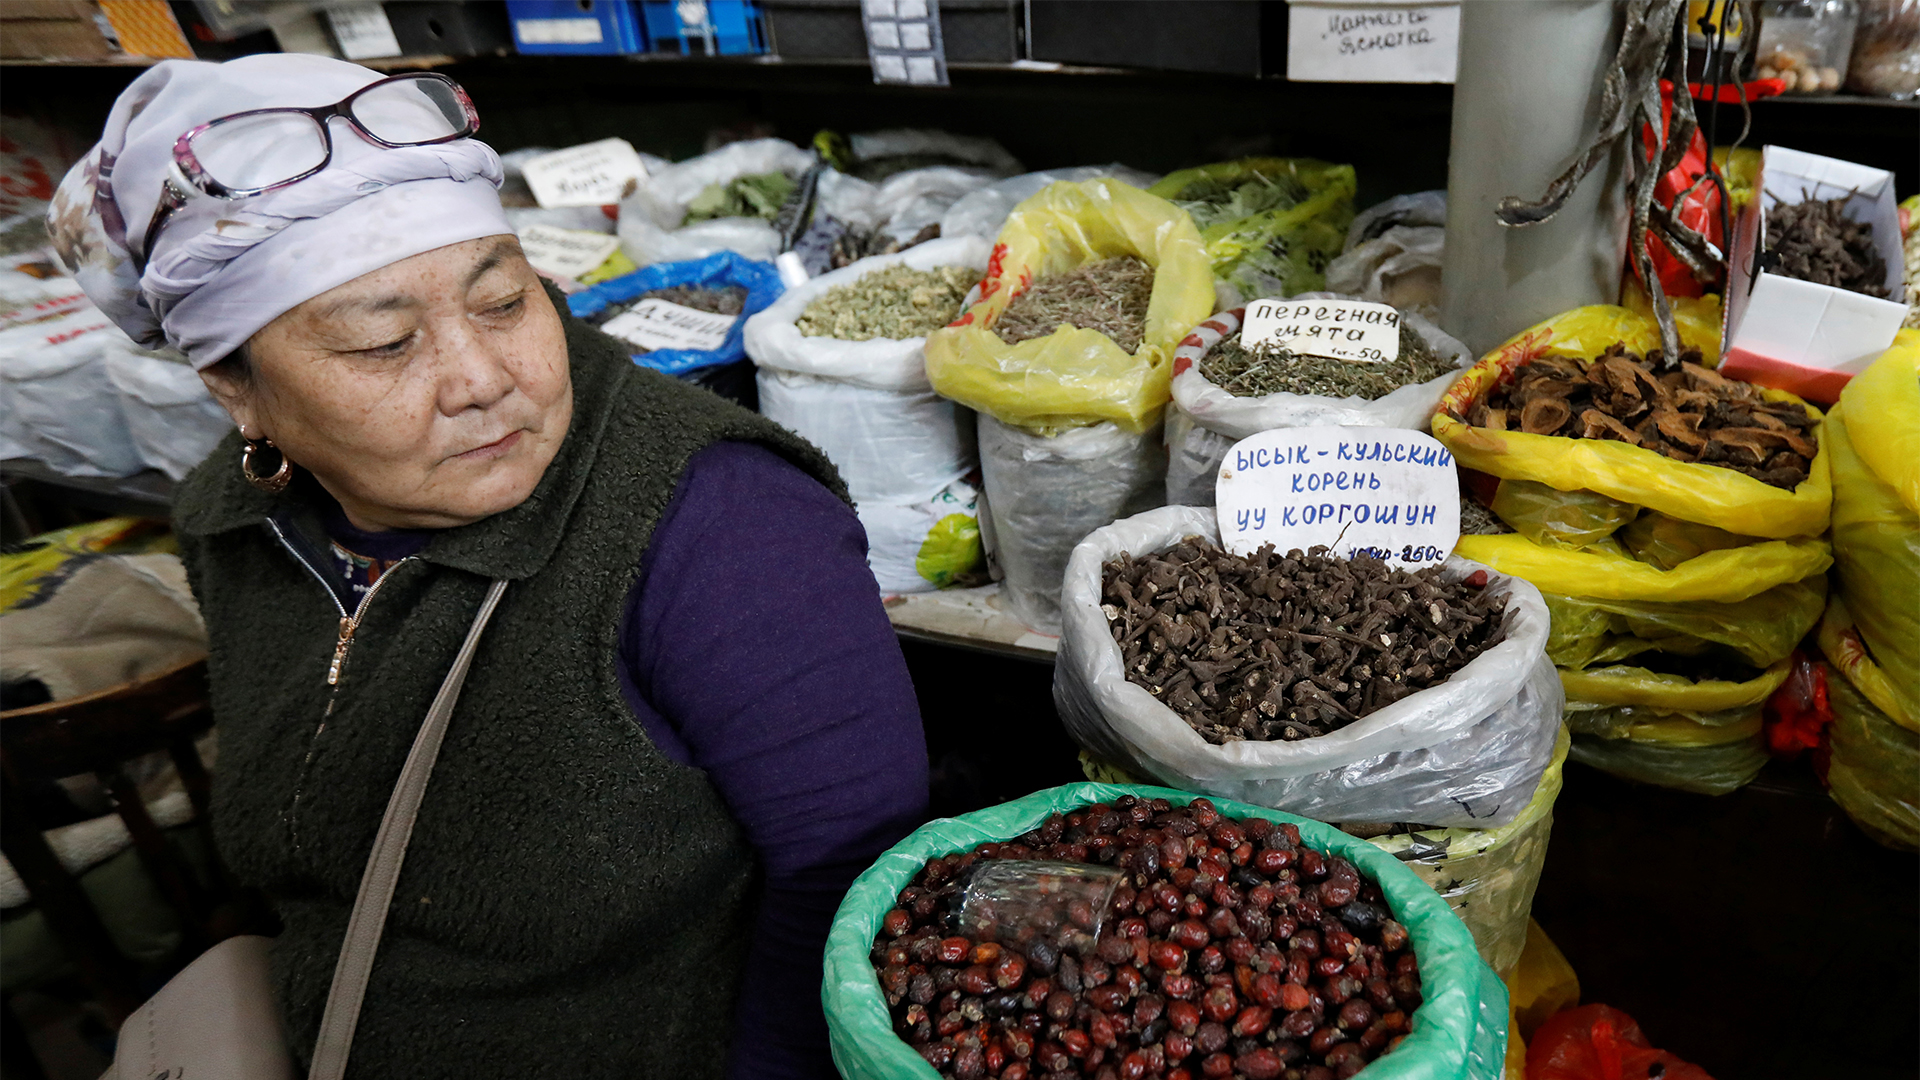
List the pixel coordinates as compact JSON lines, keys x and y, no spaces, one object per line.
{"x":704,"y":27}
{"x":576,"y":27}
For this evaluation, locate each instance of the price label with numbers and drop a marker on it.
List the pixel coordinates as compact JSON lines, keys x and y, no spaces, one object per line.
{"x":1387,"y":492}
{"x":1354,"y":330}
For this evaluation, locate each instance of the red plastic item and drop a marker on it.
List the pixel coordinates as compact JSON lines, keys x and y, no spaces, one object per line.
{"x":1730,"y":93}
{"x":1700,"y":211}
{"x":1797,"y":714}
{"x":1599,"y":1042}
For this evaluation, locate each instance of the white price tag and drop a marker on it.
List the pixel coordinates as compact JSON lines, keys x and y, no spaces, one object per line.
{"x":591,"y":174}
{"x":1373,"y":41}
{"x":1356,"y":330}
{"x":658,"y":324}
{"x":566,"y":252}
{"x":362,"y":31}
{"x":1388,"y":492}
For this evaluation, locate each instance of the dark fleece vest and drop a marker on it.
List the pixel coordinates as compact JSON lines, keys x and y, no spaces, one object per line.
{"x":574,"y":903}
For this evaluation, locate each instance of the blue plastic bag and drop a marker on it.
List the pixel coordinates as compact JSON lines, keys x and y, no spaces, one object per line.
{"x":718,"y":270}
{"x":1459,"y":1031}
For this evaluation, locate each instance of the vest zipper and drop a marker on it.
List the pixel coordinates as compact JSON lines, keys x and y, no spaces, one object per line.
{"x":349,"y":622}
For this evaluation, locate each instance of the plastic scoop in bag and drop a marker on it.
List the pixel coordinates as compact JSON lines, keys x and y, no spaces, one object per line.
{"x":1019,"y":902}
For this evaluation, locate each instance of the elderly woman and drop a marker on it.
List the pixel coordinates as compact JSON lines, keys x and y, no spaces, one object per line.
{"x":688,"y":725}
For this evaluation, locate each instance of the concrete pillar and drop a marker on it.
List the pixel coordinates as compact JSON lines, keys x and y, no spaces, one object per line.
{"x":1525,"y":102}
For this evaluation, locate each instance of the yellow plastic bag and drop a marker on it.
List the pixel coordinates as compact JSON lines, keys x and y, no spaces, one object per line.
{"x":1707,"y":494}
{"x":1073,"y":377}
{"x":1282,"y":250}
{"x":1727,"y":576}
{"x":1885,"y":422}
{"x":1543,"y":983}
{"x":1562,"y":519}
{"x":1763,"y":629}
{"x":1697,"y":318}
{"x":1840,"y":643}
{"x":1876,"y":534}
{"x":1657,"y":728}
{"x":1874,"y":771}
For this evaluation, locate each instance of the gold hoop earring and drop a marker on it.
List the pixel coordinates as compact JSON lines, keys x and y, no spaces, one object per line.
{"x":272,"y":484}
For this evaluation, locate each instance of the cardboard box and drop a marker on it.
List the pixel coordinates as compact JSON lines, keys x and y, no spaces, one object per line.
{"x":52,"y":39}
{"x":1795,"y":335}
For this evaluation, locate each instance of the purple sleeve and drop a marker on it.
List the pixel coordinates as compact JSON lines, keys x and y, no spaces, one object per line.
{"x":758,"y":650}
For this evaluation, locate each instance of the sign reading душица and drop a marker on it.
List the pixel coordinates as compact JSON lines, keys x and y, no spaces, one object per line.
{"x":1373,"y":41}
{"x":1387,"y":492}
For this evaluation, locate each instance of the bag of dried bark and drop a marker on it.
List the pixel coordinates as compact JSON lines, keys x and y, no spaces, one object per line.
{"x":1206,"y":419}
{"x":1693,"y":447}
{"x":1045,"y":492}
{"x":722,"y":272}
{"x":654,"y":225}
{"x":1074,"y":376}
{"x":1459,"y":1030}
{"x":1469,"y":751}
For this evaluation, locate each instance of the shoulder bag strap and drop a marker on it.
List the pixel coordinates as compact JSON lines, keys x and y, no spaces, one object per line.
{"x":369,"y":917}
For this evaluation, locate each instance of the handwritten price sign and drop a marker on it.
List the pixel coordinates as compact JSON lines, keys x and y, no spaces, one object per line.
{"x":1352,"y":330}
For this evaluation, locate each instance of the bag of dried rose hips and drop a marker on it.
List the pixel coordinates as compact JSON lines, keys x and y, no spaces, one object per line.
{"x":1458,"y":1030}
{"x":1466,"y":751}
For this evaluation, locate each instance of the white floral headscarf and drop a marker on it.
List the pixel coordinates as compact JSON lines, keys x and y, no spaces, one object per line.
{"x":222,"y":269}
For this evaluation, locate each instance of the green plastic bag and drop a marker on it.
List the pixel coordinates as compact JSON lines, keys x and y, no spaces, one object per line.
{"x":1874,"y":771}
{"x":1561,"y":519}
{"x":1699,"y":735}
{"x":1271,"y":225}
{"x":1459,"y":1031}
{"x":1763,"y":629}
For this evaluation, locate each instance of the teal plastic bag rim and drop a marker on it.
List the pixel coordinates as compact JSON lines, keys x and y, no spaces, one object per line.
{"x":1457,"y":986}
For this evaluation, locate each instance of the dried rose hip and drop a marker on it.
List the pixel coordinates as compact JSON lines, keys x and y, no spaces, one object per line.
{"x":1229,"y":951}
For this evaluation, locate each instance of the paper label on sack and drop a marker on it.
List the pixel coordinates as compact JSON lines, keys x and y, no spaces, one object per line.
{"x":658,"y":324}
{"x":566,"y":252}
{"x":1387,"y":492}
{"x":591,"y":174}
{"x":1352,"y":330}
{"x":1372,"y":41}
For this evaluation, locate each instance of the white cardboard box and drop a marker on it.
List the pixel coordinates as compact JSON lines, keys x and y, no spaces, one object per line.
{"x":1796,"y":335}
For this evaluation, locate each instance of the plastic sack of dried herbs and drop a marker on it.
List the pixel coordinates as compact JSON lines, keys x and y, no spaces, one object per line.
{"x":1264,"y":390}
{"x":1271,"y":225}
{"x":723,"y":270}
{"x":1459,"y":1031}
{"x":1073,"y":377}
{"x":722,"y":201}
{"x":1469,"y":751}
{"x":1702,"y":493}
{"x":1873,"y":768}
{"x":1046,"y":492}
{"x":842,"y":363}
{"x":1874,"y":436}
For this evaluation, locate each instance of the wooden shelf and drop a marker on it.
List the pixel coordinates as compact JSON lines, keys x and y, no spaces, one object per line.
{"x":968,"y":619}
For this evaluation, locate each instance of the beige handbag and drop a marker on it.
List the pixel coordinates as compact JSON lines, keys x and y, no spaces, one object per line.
{"x":217,"y":1019}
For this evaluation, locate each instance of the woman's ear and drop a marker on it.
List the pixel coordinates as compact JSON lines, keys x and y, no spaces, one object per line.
{"x":230,"y":381}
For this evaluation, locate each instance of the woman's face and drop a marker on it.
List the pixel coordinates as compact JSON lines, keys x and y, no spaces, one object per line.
{"x":427,"y":394}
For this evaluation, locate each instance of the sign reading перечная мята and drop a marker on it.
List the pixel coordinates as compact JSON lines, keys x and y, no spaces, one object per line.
{"x":1388,"y":492}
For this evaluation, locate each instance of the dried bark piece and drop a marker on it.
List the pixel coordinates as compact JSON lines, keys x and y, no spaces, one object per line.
{"x":1545,"y":415}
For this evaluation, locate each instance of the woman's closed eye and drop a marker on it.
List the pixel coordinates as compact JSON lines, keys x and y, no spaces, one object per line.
{"x":388,"y":351}
{"x":507,"y":309}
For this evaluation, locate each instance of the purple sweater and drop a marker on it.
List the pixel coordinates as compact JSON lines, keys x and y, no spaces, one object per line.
{"x":754,"y":647}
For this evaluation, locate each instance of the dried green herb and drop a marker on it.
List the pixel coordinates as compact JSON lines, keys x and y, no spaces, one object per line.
{"x":893,"y":302}
{"x":1273,"y":369}
{"x":1211,"y":202}
{"x":760,"y":195}
{"x":1109,"y":297}
{"x":1477,"y":520}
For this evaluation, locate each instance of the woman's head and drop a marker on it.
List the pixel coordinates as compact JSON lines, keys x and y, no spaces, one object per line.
{"x":381,"y":241}
{"x":429,"y":393}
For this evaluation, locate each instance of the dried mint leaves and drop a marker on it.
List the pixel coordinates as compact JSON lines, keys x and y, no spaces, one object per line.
{"x":1272,"y":647}
{"x":1682,"y":410}
{"x":1273,"y":369}
{"x":895,"y":302}
{"x":1109,"y":296}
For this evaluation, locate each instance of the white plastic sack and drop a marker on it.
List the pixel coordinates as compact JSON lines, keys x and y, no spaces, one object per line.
{"x":919,"y":546}
{"x":1205,"y":421}
{"x":57,"y":402}
{"x":1400,"y":267}
{"x":867,"y":404}
{"x":1468,"y":752}
{"x":975,"y":150}
{"x":1421,"y":208}
{"x":173,"y":421}
{"x":650,"y":219}
{"x":1045,"y":492}
{"x":984,"y":211}
{"x":907,"y":202}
